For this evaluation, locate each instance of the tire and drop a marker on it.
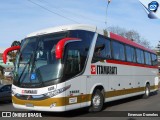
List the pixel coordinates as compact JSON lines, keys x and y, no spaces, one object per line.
{"x":147,"y":92}
{"x":97,"y":101}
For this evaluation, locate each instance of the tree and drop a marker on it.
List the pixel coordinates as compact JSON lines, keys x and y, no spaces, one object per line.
{"x":117,"y":30}
{"x":131,"y":35}
{"x":14,"y":53}
{"x":16,"y":43}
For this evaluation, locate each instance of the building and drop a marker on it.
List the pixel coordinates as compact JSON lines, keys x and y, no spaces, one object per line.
{"x":157,"y":50}
{"x":7,"y":68}
{"x":1,"y":67}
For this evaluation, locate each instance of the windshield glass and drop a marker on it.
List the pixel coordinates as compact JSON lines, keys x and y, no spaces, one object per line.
{"x":36,"y":63}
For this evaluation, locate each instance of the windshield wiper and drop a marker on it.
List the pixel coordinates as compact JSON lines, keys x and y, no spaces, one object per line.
{"x":34,"y":65}
{"x":25,"y":68}
{"x":31,"y":67}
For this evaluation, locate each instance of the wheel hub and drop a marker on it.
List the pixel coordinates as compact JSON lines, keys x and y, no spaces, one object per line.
{"x":96,"y":100}
{"x":147,"y":91}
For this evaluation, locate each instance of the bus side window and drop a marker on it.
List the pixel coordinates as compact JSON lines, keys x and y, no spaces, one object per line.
{"x":108,"y":48}
{"x":118,"y":51}
{"x":154,"y":59}
{"x":140,"y":56}
{"x":102,"y":49}
{"x":130,"y":54}
{"x":147,"y":58}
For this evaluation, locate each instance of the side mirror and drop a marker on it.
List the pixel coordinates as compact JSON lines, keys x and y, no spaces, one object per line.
{"x":97,"y":59}
{"x":5,"y":53}
{"x":61,"y":45}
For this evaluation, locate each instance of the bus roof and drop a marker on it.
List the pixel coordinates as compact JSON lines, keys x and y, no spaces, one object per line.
{"x":88,"y":28}
{"x":65,"y":28}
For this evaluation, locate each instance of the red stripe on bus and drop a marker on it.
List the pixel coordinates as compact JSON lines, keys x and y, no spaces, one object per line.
{"x":130,"y":64}
{"x":129,"y":42}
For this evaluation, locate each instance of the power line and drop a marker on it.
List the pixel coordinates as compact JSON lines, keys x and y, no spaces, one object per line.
{"x":61,"y":9}
{"x":52,"y":11}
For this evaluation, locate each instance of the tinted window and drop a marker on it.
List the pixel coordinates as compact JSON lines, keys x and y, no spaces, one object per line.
{"x":154,"y":59}
{"x":99,"y":50}
{"x":140,"y":56}
{"x":130,"y":54}
{"x":147,"y":58}
{"x":102,"y":49}
{"x":72,"y":62}
{"x":86,"y":37}
{"x":118,"y":51}
{"x":108,"y":48}
{"x":27,"y":49}
{"x":76,"y":53}
{"x":74,"y":59}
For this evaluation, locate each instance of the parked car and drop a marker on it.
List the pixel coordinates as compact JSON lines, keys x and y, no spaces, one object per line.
{"x":5,"y":92}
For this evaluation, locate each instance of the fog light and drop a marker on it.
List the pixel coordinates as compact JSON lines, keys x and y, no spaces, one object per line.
{"x":53,"y":105}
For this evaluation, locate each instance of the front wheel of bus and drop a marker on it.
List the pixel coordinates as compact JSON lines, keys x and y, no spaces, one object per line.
{"x":147,"y":91}
{"x":97,"y":101}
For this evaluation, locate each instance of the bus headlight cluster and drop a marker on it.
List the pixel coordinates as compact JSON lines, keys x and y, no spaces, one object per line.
{"x":53,"y":93}
{"x":58,"y":91}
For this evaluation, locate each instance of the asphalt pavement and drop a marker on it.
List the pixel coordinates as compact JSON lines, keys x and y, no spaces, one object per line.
{"x":116,"y":110}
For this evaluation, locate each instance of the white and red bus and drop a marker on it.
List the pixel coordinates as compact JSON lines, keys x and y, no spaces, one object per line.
{"x":70,"y":67}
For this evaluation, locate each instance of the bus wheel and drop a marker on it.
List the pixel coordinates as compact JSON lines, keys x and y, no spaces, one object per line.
{"x":97,"y":101}
{"x":147,"y":91}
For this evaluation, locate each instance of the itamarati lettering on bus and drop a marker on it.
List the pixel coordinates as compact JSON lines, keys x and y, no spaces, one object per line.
{"x":29,"y":91}
{"x":99,"y":69}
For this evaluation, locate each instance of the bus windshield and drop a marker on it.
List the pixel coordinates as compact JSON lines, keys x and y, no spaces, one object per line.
{"x":36,"y":63}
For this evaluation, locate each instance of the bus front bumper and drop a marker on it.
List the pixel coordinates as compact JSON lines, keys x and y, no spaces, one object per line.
{"x":40,"y":108}
{"x":50,"y":104}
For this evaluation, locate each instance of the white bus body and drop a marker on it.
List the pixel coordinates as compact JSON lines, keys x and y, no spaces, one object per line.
{"x":116,"y":79}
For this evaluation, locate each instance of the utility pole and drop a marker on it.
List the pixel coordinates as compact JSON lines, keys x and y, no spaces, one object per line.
{"x":107,"y":13}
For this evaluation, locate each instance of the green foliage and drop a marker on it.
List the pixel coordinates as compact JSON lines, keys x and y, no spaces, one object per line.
{"x":14,"y":53}
{"x":158,"y":53}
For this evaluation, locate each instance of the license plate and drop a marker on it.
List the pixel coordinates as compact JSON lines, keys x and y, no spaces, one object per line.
{"x":29,"y":105}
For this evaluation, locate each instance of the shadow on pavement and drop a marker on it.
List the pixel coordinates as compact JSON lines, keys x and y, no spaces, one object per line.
{"x":5,"y":102}
{"x":5,"y":105}
{"x":84,"y":113}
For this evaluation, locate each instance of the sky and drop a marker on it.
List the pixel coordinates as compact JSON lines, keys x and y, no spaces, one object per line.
{"x":18,"y":18}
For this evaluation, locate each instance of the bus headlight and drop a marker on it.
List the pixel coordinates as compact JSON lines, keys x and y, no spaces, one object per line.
{"x":58,"y":91}
{"x":53,"y":93}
